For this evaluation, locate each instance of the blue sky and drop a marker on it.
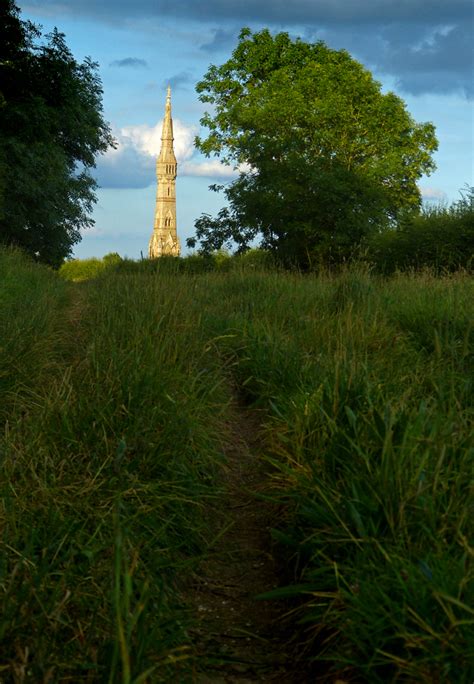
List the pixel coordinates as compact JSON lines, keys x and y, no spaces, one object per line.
{"x":420,"y":49}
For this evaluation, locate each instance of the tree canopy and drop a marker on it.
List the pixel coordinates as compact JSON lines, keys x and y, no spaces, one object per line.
{"x":51,"y":128}
{"x":324,"y":157}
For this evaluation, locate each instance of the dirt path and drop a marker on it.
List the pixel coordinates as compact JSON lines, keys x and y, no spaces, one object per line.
{"x":241,"y":638}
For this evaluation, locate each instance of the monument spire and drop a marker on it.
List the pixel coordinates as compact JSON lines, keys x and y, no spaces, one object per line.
{"x":164,"y":239}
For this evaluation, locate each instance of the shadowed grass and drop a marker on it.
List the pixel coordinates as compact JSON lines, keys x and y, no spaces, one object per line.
{"x":112,"y":440}
{"x":106,"y":467}
{"x":369,"y":387}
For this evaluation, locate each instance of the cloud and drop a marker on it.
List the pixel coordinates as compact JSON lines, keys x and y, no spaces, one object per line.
{"x":133,"y":62}
{"x":96,"y":231}
{"x":212,"y":168}
{"x":178,"y":80}
{"x":420,"y":58}
{"x":220,"y":40}
{"x":425,"y":45}
{"x":271,"y":12}
{"x":132,"y":164}
{"x":441,"y":63}
{"x":124,"y":167}
{"x":431,"y":194}
{"x":147,"y":139}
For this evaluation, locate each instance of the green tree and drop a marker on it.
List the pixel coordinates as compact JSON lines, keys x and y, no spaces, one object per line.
{"x":51,"y":128}
{"x":324,"y":157}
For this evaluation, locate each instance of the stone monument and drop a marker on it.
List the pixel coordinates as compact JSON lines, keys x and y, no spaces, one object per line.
{"x":164,"y":239}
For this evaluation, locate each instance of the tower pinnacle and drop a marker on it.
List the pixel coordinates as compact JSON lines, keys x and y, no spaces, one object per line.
{"x":164,"y":239}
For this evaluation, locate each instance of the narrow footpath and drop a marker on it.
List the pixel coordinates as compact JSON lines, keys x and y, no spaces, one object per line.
{"x":241,"y":638}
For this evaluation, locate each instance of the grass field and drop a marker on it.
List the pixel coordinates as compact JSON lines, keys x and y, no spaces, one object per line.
{"x":114,"y":402}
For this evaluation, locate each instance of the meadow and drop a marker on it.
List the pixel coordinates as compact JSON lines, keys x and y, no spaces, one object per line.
{"x":114,"y":402}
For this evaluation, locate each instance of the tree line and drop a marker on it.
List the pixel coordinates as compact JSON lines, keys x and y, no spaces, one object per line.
{"x":327,"y":164}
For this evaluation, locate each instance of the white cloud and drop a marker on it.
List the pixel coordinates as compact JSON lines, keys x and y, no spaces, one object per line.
{"x":212,"y":168}
{"x":96,"y":231}
{"x":147,"y":139}
{"x":125,"y":167}
{"x":432,"y":194}
{"x":132,"y":163}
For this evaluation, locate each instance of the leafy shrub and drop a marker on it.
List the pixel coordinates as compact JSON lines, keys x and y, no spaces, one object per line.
{"x":111,"y":259}
{"x":191,"y":264}
{"x":255,"y":259}
{"x":85,"y":269}
{"x":169,"y":265}
{"x":440,"y":238}
{"x":81,"y":269}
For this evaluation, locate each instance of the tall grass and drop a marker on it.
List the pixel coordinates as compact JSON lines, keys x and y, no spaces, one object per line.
{"x":369,"y":388}
{"x":112,"y":443}
{"x":29,"y":297}
{"x":107,"y":463}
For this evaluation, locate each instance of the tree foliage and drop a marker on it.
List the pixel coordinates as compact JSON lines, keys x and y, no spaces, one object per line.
{"x":440,"y":238}
{"x":51,"y":128}
{"x":324,"y":157}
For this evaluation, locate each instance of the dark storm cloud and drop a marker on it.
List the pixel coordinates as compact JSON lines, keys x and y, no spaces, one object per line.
{"x":433,"y":60}
{"x":178,"y":81}
{"x":133,"y":62}
{"x":221,"y":40}
{"x":268,"y":11}
{"x":407,"y":39}
{"x":442,"y":63}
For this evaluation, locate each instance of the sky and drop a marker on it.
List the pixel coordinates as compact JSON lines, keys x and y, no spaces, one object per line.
{"x":419,"y":49}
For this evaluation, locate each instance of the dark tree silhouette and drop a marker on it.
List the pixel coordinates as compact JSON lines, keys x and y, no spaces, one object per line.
{"x":51,"y":128}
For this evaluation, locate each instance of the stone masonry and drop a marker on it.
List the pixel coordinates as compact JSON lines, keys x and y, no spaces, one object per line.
{"x":164,"y":239}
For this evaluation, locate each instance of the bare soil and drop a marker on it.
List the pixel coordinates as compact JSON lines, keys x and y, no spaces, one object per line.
{"x":242,"y":638}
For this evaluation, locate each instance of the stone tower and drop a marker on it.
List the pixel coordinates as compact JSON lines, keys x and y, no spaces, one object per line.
{"x":164,"y":239}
